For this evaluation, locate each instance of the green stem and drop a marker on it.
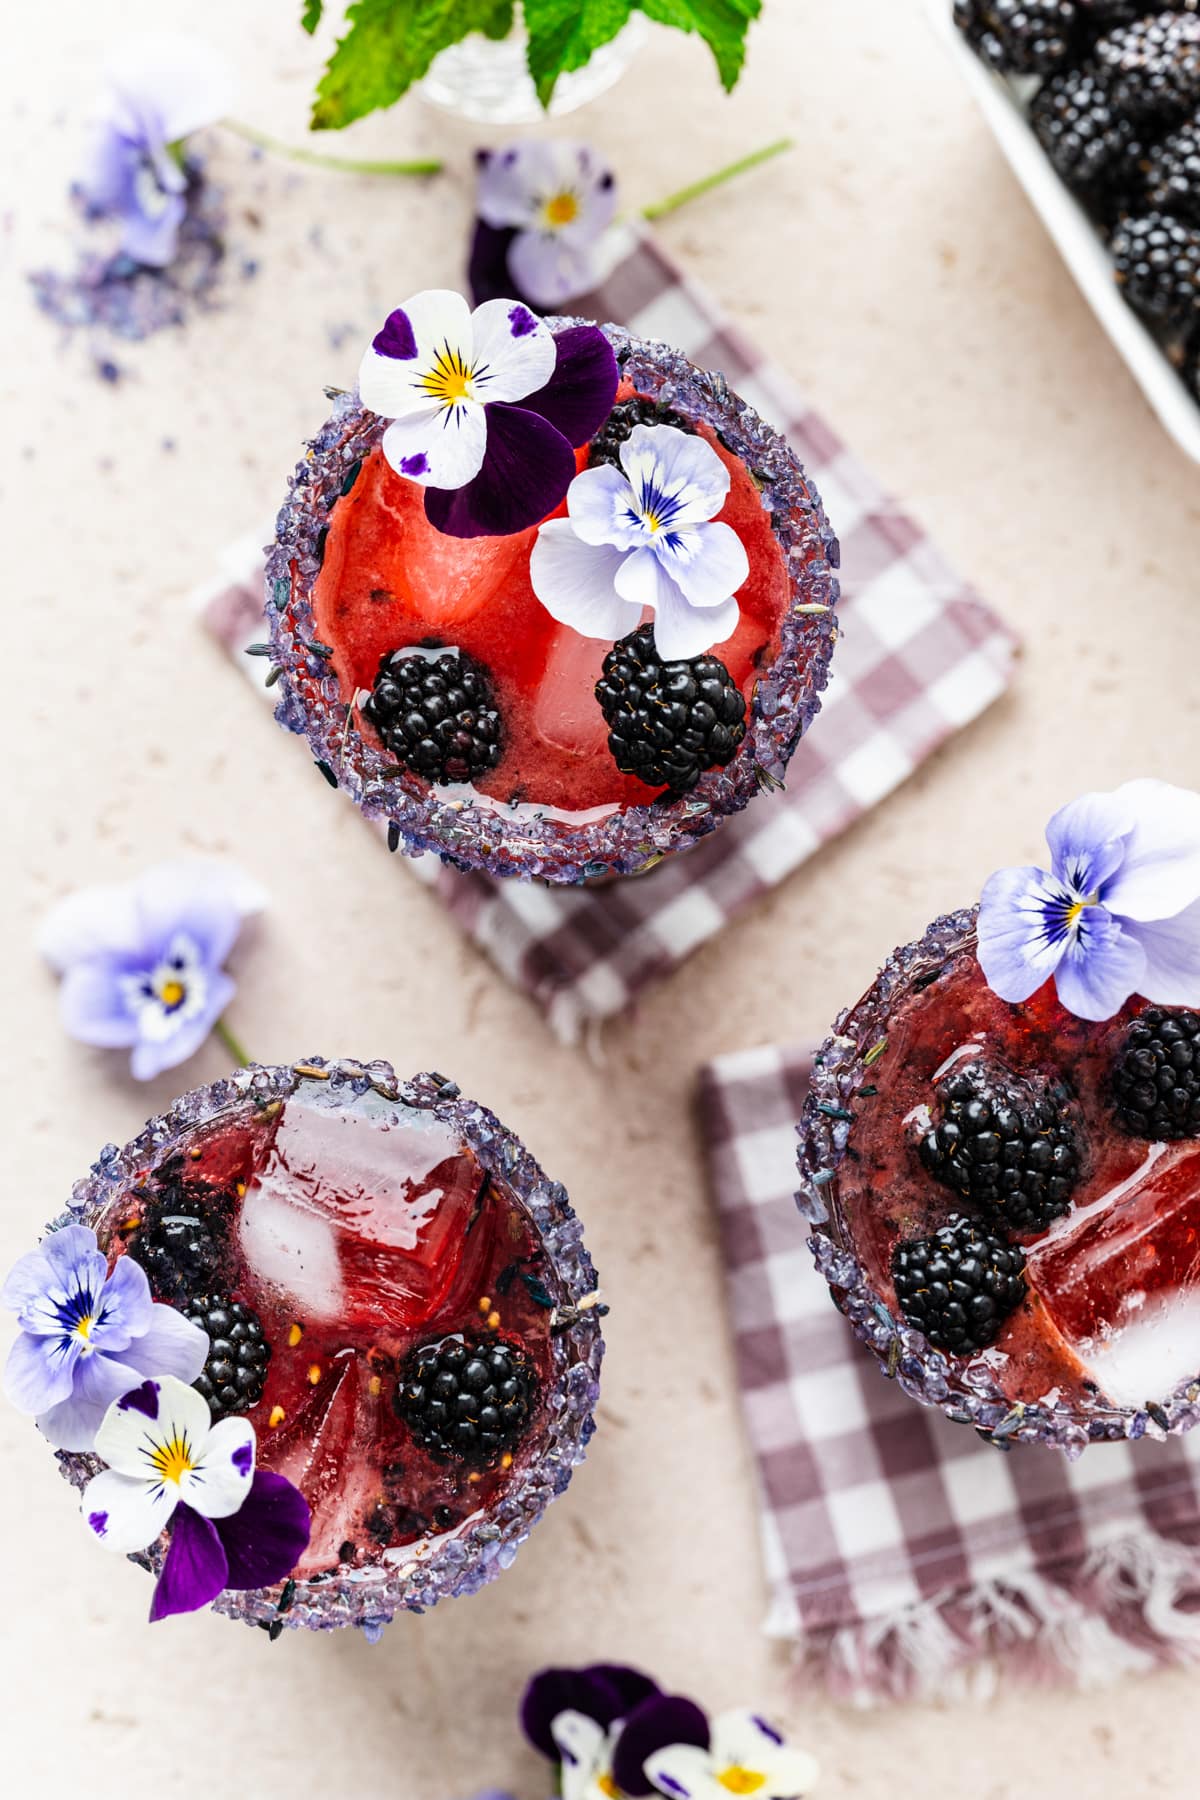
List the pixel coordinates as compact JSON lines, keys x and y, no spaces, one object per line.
{"x":233,"y":1044}
{"x":345,"y":165}
{"x":659,"y":208}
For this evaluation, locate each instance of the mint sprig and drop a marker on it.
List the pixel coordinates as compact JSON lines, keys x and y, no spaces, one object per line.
{"x":389,"y":44}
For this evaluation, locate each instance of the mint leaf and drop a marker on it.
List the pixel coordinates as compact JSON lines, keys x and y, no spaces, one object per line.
{"x":310,"y":18}
{"x":721,"y":23}
{"x":389,"y":45}
{"x":564,"y":33}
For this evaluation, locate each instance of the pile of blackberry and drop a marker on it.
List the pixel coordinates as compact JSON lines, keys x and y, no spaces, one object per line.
{"x":467,"y":1401}
{"x":960,"y":1285}
{"x":436,"y":714}
{"x":182,"y":1237}
{"x":235,"y":1370}
{"x":1118,"y":115}
{"x":668,"y":721}
{"x":1156,"y":1076}
{"x":605,"y":447}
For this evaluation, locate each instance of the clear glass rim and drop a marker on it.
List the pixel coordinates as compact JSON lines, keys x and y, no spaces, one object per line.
{"x":501,"y":841}
{"x":462,"y":1561}
{"x":965,"y":1391}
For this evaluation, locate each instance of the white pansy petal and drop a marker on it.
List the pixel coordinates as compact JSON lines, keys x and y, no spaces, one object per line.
{"x":126,"y":1515}
{"x":600,"y":508}
{"x":430,"y":328}
{"x":742,"y":1739}
{"x":575,"y":583}
{"x":581,"y":1744}
{"x":514,"y":352}
{"x":1171,"y":947}
{"x":181,"y":78}
{"x":551,"y":269}
{"x":682,"y":631}
{"x":151,"y":1418}
{"x":709,"y":565}
{"x":680,"y":465}
{"x":684,"y":1772}
{"x":1160,"y":874}
{"x":642,"y":580}
{"x":95,"y":922}
{"x":390,"y":385}
{"x":221,"y":1479}
{"x":438,"y":448}
{"x":511,"y":182}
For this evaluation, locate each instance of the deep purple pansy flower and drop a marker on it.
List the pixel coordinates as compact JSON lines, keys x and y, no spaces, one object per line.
{"x":602,"y":1691}
{"x":668,"y":1747}
{"x":487,"y":407}
{"x":1117,"y":913}
{"x":168,"y":1464}
{"x":87,"y":1336}
{"x":543,"y":208}
{"x":161,"y":88}
{"x":141,"y":961}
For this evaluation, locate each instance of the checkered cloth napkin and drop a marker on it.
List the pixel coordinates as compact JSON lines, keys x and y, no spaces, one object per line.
{"x":920,"y":657}
{"x":905,"y":1556}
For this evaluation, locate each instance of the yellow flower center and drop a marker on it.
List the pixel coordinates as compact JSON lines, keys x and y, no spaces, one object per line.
{"x":451,"y":381}
{"x":737,"y":1780}
{"x":608,"y":1786}
{"x":561,"y":209}
{"x":172,"y":994}
{"x":172,"y":1461}
{"x":83,"y":1328}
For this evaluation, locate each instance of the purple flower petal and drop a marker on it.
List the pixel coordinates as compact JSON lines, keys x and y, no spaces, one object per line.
{"x":579,"y":395}
{"x":267,"y":1536}
{"x":1017,"y":950}
{"x":126,"y":1308}
{"x":194,"y":1571}
{"x":396,"y":339}
{"x":152,"y":1055}
{"x":93,"y":1006}
{"x":169,"y":1345}
{"x":1100,"y":968}
{"x":487,"y":264}
{"x":74,"y":1422}
{"x":1171,"y":948}
{"x":628,"y":1687}
{"x":151,"y":237}
{"x":552,"y":268}
{"x":527,"y":469}
{"x":662,"y":1720}
{"x":602,"y":1692}
{"x":1160,"y":872}
{"x":1087,"y":840}
{"x":204,"y":900}
{"x":142,"y":1399}
{"x":40,"y":1371}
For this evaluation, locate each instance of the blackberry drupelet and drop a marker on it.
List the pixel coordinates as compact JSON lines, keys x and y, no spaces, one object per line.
{"x":1154,"y":66}
{"x":1091,"y":145}
{"x":1156,"y":260}
{"x":958,"y":1286}
{"x":235,"y":1370}
{"x":182,"y":1238}
{"x":436,"y":714}
{"x":1020,"y":37}
{"x":668,"y":721}
{"x":466,"y":1400}
{"x":1004,"y":1142}
{"x":1156,"y":1075}
{"x":1173,"y":173}
{"x":605,"y":447}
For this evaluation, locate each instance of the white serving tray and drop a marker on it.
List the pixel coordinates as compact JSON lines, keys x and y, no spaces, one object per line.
{"x":1078,"y":242}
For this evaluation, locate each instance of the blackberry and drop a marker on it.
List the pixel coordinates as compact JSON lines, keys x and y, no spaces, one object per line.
{"x":181,"y":1239}
{"x":1156,"y":1075}
{"x":1173,"y":173}
{"x":605,"y":447}
{"x":958,"y":1286}
{"x":1156,"y":261}
{"x":1020,"y":37}
{"x":1154,"y":65}
{"x":466,"y":1400}
{"x":1005,"y":1142}
{"x":668,"y":721}
{"x":1091,"y":145}
{"x":436,"y":714}
{"x":235,"y":1370}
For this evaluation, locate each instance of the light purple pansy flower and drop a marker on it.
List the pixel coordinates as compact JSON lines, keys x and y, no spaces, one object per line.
{"x":645,"y":536}
{"x":168,"y":1464}
{"x":670,"y":1748}
{"x":141,"y":962}
{"x":161,"y":88}
{"x":1117,"y":913}
{"x":544,"y":206}
{"x":87,"y":1337}
{"x":486,"y":407}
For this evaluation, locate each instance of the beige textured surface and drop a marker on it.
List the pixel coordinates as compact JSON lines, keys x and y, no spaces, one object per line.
{"x":893,"y":267}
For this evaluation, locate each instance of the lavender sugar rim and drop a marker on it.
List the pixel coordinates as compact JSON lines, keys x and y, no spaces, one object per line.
{"x":465,"y":1560}
{"x":965,"y":1389}
{"x":499,"y":840}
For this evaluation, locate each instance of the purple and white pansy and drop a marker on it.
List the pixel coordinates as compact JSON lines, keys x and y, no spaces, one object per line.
{"x":86,"y":1337}
{"x":168,"y":1464}
{"x":141,"y":961}
{"x":1117,"y":913}
{"x":645,"y":536}
{"x":544,"y":206}
{"x":160,"y":89}
{"x":486,"y":407}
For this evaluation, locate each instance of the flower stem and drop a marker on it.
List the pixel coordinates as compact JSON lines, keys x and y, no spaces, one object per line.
{"x":346,"y":165}
{"x":659,"y":208}
{"x":232,"y":1043}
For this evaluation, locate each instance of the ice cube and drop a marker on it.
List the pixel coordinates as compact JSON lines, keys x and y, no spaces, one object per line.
{"x":566,"y":712}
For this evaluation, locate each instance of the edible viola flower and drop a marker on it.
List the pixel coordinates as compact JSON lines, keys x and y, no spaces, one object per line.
{"x":87,"y":1336}
{"x":168,"y":1464}
{"x":544,"y":206}
{"x":1117,"y":913}
{"x":669,"y":1747}
{"x":141,"y":961}
{"x":644,"y":536}
{"x":486,"y":407}
{"x":602,"y":1692}
{"x":161,"y":88}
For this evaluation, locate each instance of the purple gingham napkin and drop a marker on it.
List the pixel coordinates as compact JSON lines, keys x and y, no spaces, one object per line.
{"x":903,"y":1555}
{"x":919,"y":657}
